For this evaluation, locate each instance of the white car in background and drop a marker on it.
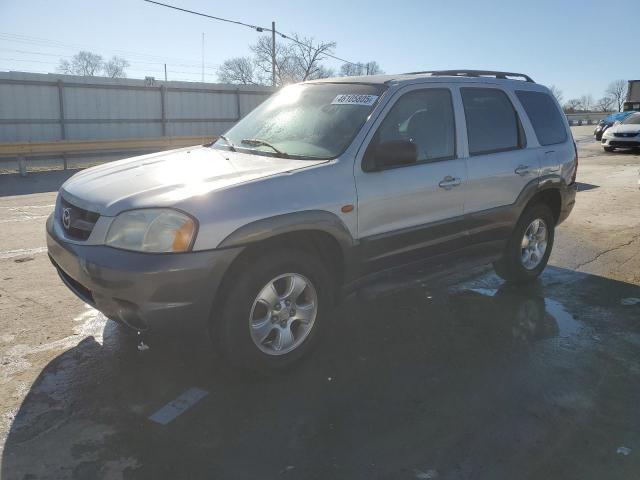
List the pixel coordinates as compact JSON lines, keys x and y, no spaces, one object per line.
{"x":625,"y":134}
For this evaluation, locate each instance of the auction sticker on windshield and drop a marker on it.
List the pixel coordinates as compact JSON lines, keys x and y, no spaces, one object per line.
{"x":354,"y":99}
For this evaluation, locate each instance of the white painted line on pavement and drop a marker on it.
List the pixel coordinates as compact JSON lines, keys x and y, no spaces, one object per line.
{"x":178,"y":406}
{"x":22,"y":251}
{"x":51,"y":205}
{"x":25,"y":218}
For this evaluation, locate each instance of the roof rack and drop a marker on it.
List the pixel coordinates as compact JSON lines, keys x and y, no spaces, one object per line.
{"x":475,"y":73}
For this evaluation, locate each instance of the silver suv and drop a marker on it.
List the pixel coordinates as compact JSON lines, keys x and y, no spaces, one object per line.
{"x":326,"y":187}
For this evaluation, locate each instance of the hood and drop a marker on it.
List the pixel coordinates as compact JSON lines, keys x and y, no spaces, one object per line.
{"x":167,"y":178}
{"x":625,"y":128}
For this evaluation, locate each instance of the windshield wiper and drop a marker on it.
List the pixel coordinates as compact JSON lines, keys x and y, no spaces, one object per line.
{"x":232,"y":147}
{"x":256,"y":142}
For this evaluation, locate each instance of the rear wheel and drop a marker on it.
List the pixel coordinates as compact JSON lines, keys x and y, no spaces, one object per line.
{"x":608,"y":149}
{"x":272,"y":313}
{"x":529,"y":247}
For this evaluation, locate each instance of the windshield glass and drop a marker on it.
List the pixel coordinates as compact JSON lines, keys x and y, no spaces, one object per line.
{"x":632,"y":119}
{"x":308,"y":121}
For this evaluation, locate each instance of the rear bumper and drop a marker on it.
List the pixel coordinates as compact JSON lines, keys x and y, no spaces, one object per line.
{"x":139,"y":289}
{"x":568,"y":199}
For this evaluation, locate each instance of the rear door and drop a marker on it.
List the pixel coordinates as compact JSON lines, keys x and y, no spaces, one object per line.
{"x":556,"y":150}
{"x":410,"y":212}
{"x":499,"y":163}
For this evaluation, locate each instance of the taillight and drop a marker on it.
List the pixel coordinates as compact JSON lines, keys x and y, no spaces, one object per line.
{"x":575,"y":169}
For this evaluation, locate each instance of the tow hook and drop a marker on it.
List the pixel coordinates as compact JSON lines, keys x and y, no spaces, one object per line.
{"x":142,"y":347}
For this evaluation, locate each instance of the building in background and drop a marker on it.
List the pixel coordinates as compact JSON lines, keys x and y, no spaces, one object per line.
{"x":633,"y":96}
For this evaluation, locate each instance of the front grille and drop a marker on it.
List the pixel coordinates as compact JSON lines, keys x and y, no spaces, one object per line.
{"x":613,"y":143}
{"x":623,"y":134}
{"x":79,"y":223}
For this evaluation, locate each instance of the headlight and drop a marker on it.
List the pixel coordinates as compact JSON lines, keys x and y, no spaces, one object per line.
{"x":152,"y":230}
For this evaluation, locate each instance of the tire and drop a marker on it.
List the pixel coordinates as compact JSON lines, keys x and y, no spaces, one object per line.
{"x":237,"y":329}
{"x":608,"y":149}
{"x":514,"y":266}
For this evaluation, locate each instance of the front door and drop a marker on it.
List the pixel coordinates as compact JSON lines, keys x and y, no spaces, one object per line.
{"x":407,"y":212}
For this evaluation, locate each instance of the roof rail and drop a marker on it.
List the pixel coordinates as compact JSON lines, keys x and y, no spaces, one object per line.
{"x":475,"y":73}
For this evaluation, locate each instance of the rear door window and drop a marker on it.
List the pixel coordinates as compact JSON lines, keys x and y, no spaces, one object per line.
{"x":544,"y":115}
{"x":492,"y":122}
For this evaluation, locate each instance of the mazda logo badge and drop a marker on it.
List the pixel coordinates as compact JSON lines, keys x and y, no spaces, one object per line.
{"x":66,"y":218}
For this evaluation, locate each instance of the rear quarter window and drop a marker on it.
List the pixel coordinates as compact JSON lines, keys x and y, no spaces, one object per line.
{"x":544,"y":115}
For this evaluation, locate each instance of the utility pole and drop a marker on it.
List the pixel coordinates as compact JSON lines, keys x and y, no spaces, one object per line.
{"x":273,"y":54}
{"x":165,"y":72}
{"x":202,"y":57}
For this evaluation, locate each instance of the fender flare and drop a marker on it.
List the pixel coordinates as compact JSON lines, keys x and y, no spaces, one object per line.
{"x":539,"y":185}
{"x":266,"y":228}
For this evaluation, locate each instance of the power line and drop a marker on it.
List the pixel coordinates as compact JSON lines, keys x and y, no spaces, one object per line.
{"x":130,"y":70}
{"x":31,"y":52}
{"x":49,"y":43}
{"x":254,"y":27}
{"x":26,"y":60}
{"x":133,"y":62}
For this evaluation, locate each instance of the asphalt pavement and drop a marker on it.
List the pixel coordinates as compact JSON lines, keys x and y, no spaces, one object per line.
{"x":478,"y":380}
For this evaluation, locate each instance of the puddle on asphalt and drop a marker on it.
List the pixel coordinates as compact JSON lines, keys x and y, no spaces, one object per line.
{"x":567,"y":325}
{"x":527,"y":313}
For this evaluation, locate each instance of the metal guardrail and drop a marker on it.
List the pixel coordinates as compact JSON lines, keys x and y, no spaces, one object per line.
{"x":23,"y":150}
{"x":586,"y":118}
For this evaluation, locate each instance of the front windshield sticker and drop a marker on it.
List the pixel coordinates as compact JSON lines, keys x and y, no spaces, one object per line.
{"x":354,"y":99}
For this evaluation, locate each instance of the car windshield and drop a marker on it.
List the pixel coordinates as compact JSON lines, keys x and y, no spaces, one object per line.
{"x":305,"y":121}
{"x":632,"y":119}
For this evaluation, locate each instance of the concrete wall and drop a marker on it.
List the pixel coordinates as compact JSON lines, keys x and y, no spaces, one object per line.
{"x":586,"y":118}
{"x":47,"y":107}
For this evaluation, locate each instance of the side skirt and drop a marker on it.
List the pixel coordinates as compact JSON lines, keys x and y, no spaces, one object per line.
{"x":446,"y":269}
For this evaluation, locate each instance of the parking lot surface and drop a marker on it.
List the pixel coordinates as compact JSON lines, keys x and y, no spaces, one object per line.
{"x":474,"y":380}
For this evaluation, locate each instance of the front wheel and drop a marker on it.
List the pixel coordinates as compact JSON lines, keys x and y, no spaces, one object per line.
{"x":529,"y":247}
{"x":271,"y":315}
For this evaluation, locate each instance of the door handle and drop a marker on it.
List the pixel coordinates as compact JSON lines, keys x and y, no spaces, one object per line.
{"x":522,"y":170}
{"x":448,"y":182}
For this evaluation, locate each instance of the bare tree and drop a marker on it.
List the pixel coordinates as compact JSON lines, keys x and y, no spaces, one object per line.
{"x":373,"y":68}
{"x":605,"y":104}
{"x":572,"y":105}
{"x":307,"y":58}
{"x":556,"y":93}
{"x":262,"y":62}
{"x":114,"y":68}
{"x":82,"y":63}
{"x":355,"y":69}
{"x":586,"y":102}
{"x":238,"y":70}
{"x":618,"y":91}
{"x":351,"y":69}
{"x":297,"y":60}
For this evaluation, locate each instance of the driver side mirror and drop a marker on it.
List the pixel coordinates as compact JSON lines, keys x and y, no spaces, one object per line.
{"x":389,"y":154}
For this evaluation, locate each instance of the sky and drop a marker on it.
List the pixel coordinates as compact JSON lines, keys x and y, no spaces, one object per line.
{"x":576,"y":45}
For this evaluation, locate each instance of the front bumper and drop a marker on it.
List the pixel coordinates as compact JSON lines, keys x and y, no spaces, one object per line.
{"x":141,"y":290}
{"x":621,"y":142}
